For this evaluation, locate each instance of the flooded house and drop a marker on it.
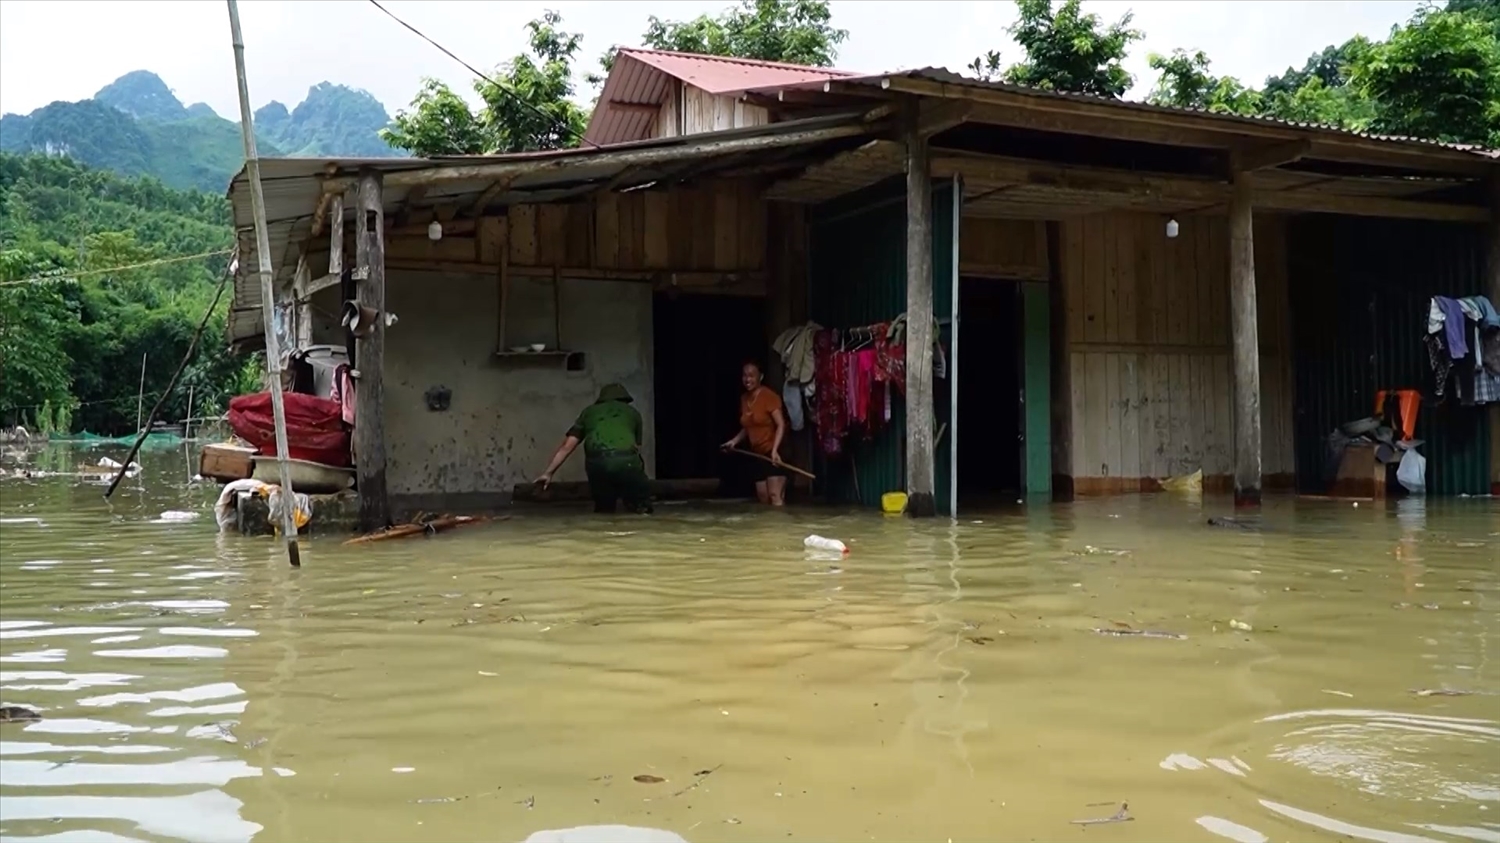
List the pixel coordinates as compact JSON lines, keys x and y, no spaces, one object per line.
{"x":1095,"y":294}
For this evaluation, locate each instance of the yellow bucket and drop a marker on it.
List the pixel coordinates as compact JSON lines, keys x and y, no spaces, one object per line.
{"x":893,"y":503}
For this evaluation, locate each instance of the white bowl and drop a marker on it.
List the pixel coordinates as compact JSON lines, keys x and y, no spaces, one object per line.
{"x":538,"y":346}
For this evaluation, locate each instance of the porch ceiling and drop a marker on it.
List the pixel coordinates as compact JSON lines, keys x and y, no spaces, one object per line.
{"x":1025,"y":189}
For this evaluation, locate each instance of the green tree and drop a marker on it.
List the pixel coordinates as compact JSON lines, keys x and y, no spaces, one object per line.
{"x":34,"y":368}
{"x":526,"y":106}
{"x":1185,"y":82}
{"x":1438,"y":77}
{"x":791,"y":31}
{"x":1067,"y":50}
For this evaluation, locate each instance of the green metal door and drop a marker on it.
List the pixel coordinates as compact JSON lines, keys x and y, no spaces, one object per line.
{"x":857,"y":258}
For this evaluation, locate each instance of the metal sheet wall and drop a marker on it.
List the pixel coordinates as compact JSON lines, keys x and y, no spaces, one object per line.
{"x":1360,"y":289}
{"x":857,"y":261}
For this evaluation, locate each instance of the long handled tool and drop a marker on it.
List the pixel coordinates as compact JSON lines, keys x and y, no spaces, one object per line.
{"x":763,"y":458}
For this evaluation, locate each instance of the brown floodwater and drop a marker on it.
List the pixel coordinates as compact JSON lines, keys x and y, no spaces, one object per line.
{"x":697,"y":671}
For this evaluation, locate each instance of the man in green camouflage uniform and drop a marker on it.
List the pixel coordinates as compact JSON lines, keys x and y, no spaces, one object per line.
{"x":610,"y":431}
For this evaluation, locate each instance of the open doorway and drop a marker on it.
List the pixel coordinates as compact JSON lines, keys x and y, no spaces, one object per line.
{"x":701,"y":341}
{"x":990,"y":408}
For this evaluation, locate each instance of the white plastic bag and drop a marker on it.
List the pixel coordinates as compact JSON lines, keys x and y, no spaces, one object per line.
{"x":820,"y":543}
{"x":1412,"y":473}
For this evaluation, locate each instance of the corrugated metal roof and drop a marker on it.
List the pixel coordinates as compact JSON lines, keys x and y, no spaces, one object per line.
{"x":646,"y":77}
{"x":722,"y":75}
{"x":293,"y":187}
{"x":945,"y":76}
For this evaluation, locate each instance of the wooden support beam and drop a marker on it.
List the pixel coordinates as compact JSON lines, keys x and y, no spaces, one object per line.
{"x":1245,"y":349}
{"x":369,"y":389}
{"x":921,"y":467}
{"x":336,"y":236}
{"x":941,"y":116}
{"x":301,"y":280}
{"x":497,"y":187}
{"x":693,"y":149}
{"x":1273,"y":155}
{"x":1492,"y":292}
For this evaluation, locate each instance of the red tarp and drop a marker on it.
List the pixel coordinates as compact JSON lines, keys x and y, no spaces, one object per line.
{"x":314,"y":427}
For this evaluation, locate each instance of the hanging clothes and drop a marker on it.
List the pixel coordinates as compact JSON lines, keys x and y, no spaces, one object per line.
{"x":1482,"y":311}
{"x":796,"y":348}
{"x":343,"y":392}
{"x":791,"y":399}
{"x":1453,"y":327}
{"x":830,"y":410}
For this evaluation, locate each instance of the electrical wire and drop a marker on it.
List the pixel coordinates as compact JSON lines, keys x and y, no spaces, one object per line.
{"x":62,"y":275}
{"x":472,"y":69}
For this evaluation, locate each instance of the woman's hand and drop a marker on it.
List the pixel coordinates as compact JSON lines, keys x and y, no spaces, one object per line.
{"x":776,"y":456}
{"x":729,"y":446}
{"x":545,"y":480}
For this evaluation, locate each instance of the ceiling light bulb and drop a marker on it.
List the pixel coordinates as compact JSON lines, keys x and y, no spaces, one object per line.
{"x":435,"y":230}
{"x":1171,"y":228}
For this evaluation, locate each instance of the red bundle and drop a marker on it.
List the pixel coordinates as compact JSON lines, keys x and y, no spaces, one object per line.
{"x":315,"y":430}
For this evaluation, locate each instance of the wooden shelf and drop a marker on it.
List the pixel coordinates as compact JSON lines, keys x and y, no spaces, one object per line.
{"x":550,"y":352}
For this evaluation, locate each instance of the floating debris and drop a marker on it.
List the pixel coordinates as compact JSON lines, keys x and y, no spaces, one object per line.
{"x":1140,"y":633}
{"x":1241,"y":626}
{"x":981,"y":640}
{"x":18,"y":714}
{"x":1233,"y":523}
{"x":1441,"y":692}
{"x":647,"y":778}
{"x":1120,"y":816}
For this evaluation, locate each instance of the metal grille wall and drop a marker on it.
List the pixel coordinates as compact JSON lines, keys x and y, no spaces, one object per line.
{"x":857,"y":257}
{"x":1360,"y":291}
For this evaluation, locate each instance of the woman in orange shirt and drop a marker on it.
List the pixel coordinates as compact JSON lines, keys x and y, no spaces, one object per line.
{"x":763,"y":423}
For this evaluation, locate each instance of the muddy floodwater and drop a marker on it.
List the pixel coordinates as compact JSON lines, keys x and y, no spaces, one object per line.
{"x":1334,"y":675}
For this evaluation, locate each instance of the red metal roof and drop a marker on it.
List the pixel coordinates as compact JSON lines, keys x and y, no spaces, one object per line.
{"x":721,"y":75}
{"x":645,"y":77}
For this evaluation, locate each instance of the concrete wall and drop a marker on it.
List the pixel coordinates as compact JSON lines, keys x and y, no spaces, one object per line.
{"x":506,"y":415}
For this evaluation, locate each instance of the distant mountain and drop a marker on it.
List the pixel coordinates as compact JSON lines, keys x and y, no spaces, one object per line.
{"x":136,"y":126}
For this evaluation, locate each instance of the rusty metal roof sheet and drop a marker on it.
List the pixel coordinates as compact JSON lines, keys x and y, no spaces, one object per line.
{"x":944,"y":76}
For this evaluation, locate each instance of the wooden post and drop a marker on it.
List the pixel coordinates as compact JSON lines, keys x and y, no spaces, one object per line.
{"x":1246,"y":345}
{"x":1492,"y":292}
{"x":336,"y":235}
{"x":369,"y":387}
{"x":921,"y":473}
{"x":1062,"y":366}
{"x":267,"y":293}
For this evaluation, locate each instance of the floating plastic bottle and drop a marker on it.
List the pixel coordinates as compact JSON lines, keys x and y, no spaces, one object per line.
{"x":820,"y":543}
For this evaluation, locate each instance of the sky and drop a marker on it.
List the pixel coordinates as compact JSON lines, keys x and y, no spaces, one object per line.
{"x":68,"y":49}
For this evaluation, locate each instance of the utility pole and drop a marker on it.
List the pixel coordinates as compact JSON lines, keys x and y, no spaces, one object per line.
{"x":267,"y":294}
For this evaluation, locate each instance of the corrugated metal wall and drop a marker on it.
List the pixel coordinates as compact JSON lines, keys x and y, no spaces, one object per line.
{"x":1360,"y":289}
{"x":857,"y":261}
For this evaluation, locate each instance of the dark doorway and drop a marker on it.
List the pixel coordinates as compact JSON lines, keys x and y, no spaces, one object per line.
{"x":989,"y":392}
{"x":700,"y":344}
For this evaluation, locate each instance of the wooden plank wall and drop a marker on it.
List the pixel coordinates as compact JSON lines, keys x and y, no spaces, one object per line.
{"x":715,"y":228}
{"x":1148,"y":328}
{"x":998,"y":248}
{"x":708,"y":113}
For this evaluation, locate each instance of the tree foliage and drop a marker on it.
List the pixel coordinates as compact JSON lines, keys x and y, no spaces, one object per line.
{"x":1437,"y":78}
{"x":1185,"y":82}
{"x":71,"y":345}
{"x":526,"y":104}
{"x":792,"y":31}
{"x":1067,"y":50}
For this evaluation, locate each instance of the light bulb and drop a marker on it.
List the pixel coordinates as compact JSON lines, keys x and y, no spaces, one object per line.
{"x":1171,"y":228}
{"x":435,"y":230}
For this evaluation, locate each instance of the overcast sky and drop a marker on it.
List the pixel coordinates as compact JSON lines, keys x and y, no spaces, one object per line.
{"x":68,"y":49}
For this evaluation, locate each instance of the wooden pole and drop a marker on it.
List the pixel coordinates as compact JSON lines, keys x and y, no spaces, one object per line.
{"x":1492,"y":287}
{"x":161,"y":400}
{"x":369,"y":384}
{"x":267,"y":293}
{"x":187,"y":422}
{"x":140,"y":396}
{"x":1246,"y":349}
{"x":921,"y":473}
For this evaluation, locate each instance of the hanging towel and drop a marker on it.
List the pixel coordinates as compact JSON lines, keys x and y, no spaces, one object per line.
{"x":791,"y":399}
{"x":1483,"y":311}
